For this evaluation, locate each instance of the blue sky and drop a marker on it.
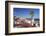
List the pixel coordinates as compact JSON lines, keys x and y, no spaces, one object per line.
{"x":24,"y":12}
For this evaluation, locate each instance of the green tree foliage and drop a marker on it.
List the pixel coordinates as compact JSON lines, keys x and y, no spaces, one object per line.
{"x":31,"y":14}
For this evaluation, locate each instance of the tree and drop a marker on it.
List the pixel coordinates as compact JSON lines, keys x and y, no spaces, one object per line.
{"x":31,"y":14}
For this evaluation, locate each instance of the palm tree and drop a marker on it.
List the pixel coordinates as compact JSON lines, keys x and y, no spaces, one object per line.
{"x":31,"y":14}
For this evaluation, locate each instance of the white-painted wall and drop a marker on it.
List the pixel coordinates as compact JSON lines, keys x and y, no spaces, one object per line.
{"x":2,"y":18}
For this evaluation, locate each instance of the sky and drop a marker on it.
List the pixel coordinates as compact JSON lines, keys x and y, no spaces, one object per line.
{"x":24,"y":12}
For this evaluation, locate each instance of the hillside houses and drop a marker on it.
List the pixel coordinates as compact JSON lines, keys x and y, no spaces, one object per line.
{"x":25,"y":22}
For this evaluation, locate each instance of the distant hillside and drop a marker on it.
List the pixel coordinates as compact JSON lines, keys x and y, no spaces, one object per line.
{"x":36,"y":19}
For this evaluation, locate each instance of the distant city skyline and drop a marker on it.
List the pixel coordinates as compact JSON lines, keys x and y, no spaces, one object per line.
{"x":24,"y":12}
